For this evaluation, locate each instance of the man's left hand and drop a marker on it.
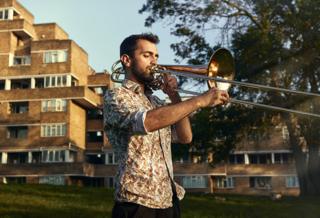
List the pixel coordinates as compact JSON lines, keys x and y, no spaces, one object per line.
{"x":170,"y":87}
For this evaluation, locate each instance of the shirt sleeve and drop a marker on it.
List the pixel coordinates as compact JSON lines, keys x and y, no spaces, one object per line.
{"x":118,"y":113}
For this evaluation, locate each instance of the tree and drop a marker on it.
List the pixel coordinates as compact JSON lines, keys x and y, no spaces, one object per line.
{"x":275,"y":43}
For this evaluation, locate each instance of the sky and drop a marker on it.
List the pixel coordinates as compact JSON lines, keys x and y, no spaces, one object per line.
{"x":99,"y":26}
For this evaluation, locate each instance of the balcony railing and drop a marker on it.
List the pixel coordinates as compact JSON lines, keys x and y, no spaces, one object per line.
{"x":19,"y":26}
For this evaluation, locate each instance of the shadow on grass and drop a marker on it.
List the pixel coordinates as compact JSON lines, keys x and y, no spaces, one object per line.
{"x":28,"y":211}
{"x":76,"y":202}
{"x":205,"y":206}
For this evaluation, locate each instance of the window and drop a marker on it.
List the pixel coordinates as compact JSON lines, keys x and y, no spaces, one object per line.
{"x":4,"y":14}
{"x":263,"y":182}
{"x":285,"y":133}
{"x":94,"y":114}
{"x":19,"y":107}
{"x":292,"y":182}
{"x":52,"y":180}
{"x":17,"y":132}
{"x":55,"y":56}
{"x":95,"y":136}
{"x":17,"y":158}
{"x":260,"y":158}
{"x":236,"y":159}
{"x":20,"y":84}
{"x":282,"y":158}
{"x":53,"y":130}
{"x":21,"y":60}
{"x":49,"y":156}
{"x":110,"y":182}
{"x":16,"y":180}
{"x":111,"y":158}
{"x":224,"y":182}
{"x":194,"y":182}
{"x":100,"y":90}
{"x":54,"y":105}
{"x":39,"y":83}
{"x":2,"y":84}
{"x":95,"y":158}
{"x":55,"y":81}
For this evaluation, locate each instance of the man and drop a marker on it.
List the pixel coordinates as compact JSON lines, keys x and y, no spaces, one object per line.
{"x":140,"y":128}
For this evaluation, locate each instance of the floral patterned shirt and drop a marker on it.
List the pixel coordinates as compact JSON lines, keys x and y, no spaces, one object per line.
{"x":142,"y":175}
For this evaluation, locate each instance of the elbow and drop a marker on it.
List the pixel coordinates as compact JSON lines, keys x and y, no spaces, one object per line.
{"x":186,"y":140}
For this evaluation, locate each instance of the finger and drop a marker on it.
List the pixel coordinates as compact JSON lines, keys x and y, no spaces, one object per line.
{"x":165,"y":77}
{"x":172,"y":80}
{"x":225,"y":99}
{"x":225,"y":94}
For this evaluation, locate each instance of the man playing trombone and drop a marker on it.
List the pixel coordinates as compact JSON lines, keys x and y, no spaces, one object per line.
{"x":140,"y":127}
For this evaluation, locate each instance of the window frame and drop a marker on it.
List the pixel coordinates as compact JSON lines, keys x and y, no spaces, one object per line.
{"x":55,"y":56}
{"x":25,"y":60}
{"x":195,"y":181}
{"x":51,"y":130}
{"x":292,"y":182}
{"x":54,"y":105}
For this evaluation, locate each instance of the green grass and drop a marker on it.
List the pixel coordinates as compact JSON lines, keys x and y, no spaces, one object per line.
{"x":69,"y":201}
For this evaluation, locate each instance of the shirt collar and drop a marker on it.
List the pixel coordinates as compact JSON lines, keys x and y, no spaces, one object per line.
{"x":135,"y":87}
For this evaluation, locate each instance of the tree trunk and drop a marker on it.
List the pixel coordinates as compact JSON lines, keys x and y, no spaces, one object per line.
{"x":298,"y":155}
{"x":314,"y":167}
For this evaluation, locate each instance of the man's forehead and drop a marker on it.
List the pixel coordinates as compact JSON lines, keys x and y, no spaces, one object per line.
{"x":142,"y":44}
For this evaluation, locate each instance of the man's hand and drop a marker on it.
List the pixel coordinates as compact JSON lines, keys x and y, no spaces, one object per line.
{"x":170,"y":87}
{"x":213,"y":97}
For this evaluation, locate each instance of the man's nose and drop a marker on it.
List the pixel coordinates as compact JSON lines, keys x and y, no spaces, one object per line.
{"x":154,"y":60}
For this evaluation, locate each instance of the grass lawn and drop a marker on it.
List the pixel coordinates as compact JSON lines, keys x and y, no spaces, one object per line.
{"x":69,"y":201}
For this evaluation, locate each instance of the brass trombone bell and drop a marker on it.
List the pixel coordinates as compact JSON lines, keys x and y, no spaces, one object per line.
{"x":221,"y":65}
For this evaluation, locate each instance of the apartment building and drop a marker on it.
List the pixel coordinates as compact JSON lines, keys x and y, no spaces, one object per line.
{"x":50,"y":101}
{"x":259,"y":165}
{"x":51,"y":123}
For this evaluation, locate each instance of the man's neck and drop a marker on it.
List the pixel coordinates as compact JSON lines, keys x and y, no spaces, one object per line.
{"x":134,"y":79}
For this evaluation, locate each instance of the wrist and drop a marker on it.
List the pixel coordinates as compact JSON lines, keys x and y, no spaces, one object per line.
{"x":201,"y":101}
{"x":175,"y":97}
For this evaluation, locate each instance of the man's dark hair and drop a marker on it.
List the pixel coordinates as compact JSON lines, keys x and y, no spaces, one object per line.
{"x":129,"y":44}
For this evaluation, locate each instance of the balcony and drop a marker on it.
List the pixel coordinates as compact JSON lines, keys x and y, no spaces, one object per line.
{"x":192,"y":168}
{"x":20,"y":118}
{"x":234,"y":169}
{"x":43,"y":169}
{"x":99,"y":80}
{"x":260,"y":169}
{"x":94,"y":146}
{"x":20,"y":27}
{"x":96,"y":124}
{"x":80,"y":94}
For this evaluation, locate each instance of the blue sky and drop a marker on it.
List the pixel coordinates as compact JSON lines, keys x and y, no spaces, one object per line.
{"x":99,"y":26}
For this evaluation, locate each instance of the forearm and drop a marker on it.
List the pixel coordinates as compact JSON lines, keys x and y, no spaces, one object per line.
{"x":184,"y":131}
{"x":171,"y":114}
{"x":182,"y":127}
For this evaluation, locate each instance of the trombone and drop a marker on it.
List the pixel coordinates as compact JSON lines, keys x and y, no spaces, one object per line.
{"x":218,"y":73}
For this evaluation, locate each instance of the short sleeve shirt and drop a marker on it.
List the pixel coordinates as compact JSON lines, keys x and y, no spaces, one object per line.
{"x":142,"y":175}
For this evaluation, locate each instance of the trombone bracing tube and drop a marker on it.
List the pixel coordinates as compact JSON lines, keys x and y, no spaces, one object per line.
{"x":237,"y":101}
{"x":245,"y":84}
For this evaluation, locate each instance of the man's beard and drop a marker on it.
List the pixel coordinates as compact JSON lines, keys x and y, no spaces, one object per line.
{"x":144,"y":78}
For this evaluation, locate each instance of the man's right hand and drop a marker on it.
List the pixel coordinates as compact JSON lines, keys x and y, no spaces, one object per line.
{"x":213,"y":97}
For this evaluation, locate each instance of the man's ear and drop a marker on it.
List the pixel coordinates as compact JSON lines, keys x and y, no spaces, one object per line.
{"x":125,"y":60}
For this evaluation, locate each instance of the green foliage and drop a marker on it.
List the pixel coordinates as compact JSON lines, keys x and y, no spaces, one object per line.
{"x":275,"y":43}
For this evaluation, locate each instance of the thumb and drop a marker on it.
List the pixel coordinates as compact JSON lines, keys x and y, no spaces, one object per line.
{"x":165,"y":77}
